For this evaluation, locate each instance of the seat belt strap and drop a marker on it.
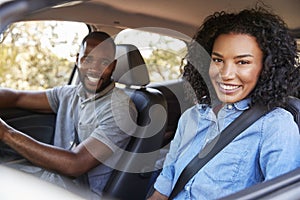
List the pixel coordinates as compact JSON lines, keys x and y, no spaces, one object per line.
{"x":217,"y":144}
{"x":76,"y":137}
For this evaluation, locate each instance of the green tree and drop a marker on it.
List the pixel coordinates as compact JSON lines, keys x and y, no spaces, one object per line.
{"x":28,"y":59}
{"x":165,"y":65}
{"x":162,"y":54}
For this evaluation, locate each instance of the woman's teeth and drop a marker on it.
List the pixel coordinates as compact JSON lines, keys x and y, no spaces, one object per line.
{"x":228,"y":87}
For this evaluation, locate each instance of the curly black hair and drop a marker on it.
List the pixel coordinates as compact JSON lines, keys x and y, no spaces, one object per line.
{"x":280,"y":74}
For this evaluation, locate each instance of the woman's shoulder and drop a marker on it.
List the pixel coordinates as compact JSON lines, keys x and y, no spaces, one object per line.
{"x":279,"y":119}
{"x":194,"y":113}
{"x":280,"y":113}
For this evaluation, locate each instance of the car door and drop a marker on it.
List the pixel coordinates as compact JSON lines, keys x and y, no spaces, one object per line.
{"x":36,"y":55}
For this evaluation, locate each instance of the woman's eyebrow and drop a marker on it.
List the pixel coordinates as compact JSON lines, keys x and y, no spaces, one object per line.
{"x":239,"y":56}
{"x":243,"y":56}
{"x":217,"y":54}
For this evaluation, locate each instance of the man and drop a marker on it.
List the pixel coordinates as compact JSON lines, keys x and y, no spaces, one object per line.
{"x":94,"y":114}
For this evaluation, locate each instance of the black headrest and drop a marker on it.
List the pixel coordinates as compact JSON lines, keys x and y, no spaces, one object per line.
{"x":293,"y":106}
{"x":131,"y":68}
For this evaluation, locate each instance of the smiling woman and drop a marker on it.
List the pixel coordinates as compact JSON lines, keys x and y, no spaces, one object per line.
{"x":236,"y":61}
{"x":235,"y":67}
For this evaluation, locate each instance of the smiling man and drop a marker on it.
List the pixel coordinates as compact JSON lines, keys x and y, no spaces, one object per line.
{"x":96,"y":62}
{"x":87,"y":133}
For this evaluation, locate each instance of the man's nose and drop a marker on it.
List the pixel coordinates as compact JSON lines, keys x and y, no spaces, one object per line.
{"x":97,"y":65}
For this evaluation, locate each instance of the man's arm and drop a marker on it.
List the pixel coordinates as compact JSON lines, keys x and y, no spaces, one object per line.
{"x":70,"y":163}
{"x":32,"y":100}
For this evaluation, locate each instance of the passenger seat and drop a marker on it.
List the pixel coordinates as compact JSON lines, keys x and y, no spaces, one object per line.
{"x":138,"y":162}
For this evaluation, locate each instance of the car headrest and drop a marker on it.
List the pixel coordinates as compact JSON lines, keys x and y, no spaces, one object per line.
{"x":131,"y":69}
{"x":293,"y":106}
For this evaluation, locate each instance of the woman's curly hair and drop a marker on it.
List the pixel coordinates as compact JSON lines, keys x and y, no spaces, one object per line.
{"x":280,"y":74}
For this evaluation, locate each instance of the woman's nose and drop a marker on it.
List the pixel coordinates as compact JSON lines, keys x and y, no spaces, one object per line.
{"x":227,"y":71}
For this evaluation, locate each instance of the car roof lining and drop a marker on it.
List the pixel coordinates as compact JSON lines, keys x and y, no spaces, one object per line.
{"x":181,"y":16}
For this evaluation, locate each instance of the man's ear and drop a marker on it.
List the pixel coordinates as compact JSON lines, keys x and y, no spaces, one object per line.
{"x":113,"y":65}
{"x":77,"y":58}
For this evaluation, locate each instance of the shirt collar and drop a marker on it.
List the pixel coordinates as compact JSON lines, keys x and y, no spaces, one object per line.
{"x":242,"y":105}
{"x":82,"y":93}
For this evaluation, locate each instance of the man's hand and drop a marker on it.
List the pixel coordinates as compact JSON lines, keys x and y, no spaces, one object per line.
{"x":54,"y":158}
{"x":157,"y":196}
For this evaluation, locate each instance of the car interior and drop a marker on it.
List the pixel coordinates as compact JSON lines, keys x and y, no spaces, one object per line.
{"x":159,"y":104}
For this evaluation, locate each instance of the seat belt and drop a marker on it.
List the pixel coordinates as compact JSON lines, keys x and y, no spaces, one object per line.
{"x":76,"y":137}
{"x":217,"y":144}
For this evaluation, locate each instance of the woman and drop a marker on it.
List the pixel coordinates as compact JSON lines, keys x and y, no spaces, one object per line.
{"x":235,"y":61}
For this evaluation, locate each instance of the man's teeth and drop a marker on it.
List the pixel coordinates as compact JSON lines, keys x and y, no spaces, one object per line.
{"x":228,"y":87}
{"x":93,"y":79}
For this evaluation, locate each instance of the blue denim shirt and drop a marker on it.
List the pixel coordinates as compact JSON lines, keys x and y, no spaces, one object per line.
{"x":266,"y":149}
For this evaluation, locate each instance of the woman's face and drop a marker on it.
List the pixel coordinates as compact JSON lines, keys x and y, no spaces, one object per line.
{"x":235,"y":66}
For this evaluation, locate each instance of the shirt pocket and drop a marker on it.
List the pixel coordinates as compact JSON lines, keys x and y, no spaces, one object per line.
{"x":225,"y":166}
{"x":85,"y":130}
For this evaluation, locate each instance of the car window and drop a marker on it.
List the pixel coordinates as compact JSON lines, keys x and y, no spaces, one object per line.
{"x":39,"y":54}
{"x":163,"y":55}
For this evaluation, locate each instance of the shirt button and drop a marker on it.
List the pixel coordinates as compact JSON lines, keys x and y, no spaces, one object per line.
{"x":82,"y":106}
{"x":229,"y":106}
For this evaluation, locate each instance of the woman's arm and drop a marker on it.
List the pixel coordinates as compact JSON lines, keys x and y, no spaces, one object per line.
{"x":279,"y":147}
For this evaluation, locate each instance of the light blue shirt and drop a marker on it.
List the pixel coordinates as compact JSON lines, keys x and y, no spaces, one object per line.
{"x":268,"y":148}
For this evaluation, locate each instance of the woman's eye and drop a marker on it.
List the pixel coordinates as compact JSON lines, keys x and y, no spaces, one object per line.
{"x":217,"y":60}
{"x":243,"y":62}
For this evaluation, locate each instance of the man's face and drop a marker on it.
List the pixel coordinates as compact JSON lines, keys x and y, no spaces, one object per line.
{"x":96,"y":64}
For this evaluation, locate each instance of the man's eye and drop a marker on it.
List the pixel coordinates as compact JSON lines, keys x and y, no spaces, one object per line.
{"x":88,"y":60}
{"x":105,"y":63}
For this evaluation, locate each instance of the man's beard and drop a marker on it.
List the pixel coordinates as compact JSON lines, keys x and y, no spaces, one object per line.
{"x":82,"y":80}
{"x":103,"y":85}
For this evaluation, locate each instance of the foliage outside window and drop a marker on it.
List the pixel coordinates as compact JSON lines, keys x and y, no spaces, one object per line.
{"x":162,"y":54}
{"x":39,"y":55}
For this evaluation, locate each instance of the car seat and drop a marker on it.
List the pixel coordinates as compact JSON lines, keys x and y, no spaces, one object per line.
{"x":143,"y":149}
{"x":293,"y":106}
